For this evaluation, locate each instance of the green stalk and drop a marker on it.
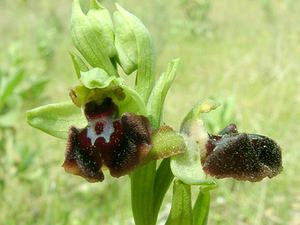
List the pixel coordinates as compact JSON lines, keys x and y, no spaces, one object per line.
{"x":142,"y":182}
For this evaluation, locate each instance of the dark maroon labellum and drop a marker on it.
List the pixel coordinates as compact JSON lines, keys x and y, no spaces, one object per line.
{"x":120,"y":144}
{"x":241,"y":156}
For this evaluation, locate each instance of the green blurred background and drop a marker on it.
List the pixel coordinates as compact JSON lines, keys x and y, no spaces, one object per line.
{"x":243,"y":53}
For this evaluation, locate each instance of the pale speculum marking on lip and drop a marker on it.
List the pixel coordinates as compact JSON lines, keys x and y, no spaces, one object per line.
{"x":98,"y":128}
{"x":118,"y":143}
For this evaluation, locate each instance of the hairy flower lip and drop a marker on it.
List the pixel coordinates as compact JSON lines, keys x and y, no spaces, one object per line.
{"x":82,"y":160}
{"x":241,"y":156}
{"x":120,"y":144}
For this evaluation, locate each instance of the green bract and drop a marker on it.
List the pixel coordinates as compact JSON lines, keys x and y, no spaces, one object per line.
{"x":134,"y":47}
{"x":159,"y":93}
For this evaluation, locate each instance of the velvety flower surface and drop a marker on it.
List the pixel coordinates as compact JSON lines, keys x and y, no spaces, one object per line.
{"x":241,"y":156}
{"x":116,"y":143}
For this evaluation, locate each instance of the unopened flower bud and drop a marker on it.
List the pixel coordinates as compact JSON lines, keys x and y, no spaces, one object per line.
{"x":93,"y":36}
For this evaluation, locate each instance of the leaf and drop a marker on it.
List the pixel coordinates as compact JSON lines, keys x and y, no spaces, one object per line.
{"x":145,"y":57}
{"x":9,"y":85}
{"x":159,"y":92}
{"x":201,"y":207}
{"x":9,"y":119}
{"x":56,"y":119}
{"x":34,"y":88}
{"x":181,"y":209}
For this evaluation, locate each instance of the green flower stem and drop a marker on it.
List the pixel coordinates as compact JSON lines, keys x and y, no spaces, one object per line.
{"x":142,"y":182}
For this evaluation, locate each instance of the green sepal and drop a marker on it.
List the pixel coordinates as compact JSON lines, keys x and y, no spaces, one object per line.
{"x":181,"y":209}
{"x":56,"y":119}
{"x":186,"y":167}
{"x":98,"y":85}
{"x":144,"y":48}
{"x":90,"y":39}
{"x":159,"y":93}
